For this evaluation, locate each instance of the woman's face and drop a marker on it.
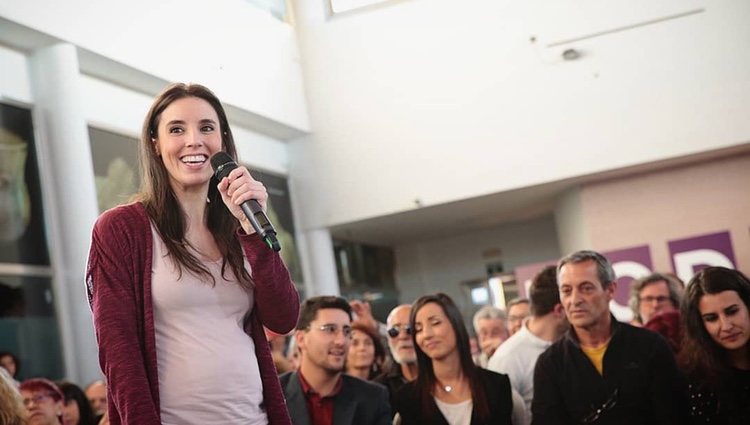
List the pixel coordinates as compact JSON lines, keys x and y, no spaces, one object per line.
{"x":725,"y":317}
{"x":361,"y":351}
{"x":71,"y":414}
{"x":434,"y":333}
{"x":42,"y":407}
{"x":188,"y":135}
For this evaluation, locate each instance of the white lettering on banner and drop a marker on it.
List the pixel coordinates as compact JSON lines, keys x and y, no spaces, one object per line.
{"x":685,"y":262}
{"x":621,"y":312}
{"x":630,"y":269}
{"x":622,"y":269}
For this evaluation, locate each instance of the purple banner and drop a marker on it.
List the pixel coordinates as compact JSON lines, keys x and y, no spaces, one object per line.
{"x":525,"y":274}
{"x":691,"y":255}
{"x":629,"y":264}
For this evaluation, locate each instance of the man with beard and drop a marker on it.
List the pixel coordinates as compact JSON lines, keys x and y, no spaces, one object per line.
{"x":319,"y":393}
{"x":404,"y":368}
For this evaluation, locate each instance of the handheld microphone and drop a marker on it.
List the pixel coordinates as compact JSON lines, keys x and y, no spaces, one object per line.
{"x":223,"y":164}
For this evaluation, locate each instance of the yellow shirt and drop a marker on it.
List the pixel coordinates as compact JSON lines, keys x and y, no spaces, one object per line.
{"x":596,"y":355}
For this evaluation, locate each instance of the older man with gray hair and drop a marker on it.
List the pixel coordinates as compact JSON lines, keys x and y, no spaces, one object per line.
{"x":491,"y":330}
{"x":602,"y":371}
{"x":404,"y":368}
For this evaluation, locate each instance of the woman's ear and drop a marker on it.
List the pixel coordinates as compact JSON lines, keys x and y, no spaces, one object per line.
{"x":156,"y":146}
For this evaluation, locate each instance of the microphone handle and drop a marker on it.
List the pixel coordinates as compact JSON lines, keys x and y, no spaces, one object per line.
{"x":261,"y":224}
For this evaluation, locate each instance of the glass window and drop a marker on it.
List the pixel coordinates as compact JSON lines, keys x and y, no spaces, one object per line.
{"x":116,"y":172}
{"x":28,"y":322}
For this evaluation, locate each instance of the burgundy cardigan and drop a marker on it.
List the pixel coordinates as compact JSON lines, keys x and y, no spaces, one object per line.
{"x":118,"y":280}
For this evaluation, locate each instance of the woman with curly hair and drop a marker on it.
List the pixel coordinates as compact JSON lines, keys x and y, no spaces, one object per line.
{"x":716,"y":353}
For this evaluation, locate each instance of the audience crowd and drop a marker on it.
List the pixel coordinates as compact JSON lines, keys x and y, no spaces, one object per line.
{"x":556,"y":357}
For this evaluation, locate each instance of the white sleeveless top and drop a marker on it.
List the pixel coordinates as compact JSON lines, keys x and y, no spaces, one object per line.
{"x":208,"y":372}
{"x":456,"y":413}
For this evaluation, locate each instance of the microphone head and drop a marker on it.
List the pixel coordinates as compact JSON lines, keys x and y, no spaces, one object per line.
{"x":222,"y":164}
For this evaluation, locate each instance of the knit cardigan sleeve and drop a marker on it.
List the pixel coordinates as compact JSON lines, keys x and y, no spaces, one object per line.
{"x":276,"y":307}
{"x":114,"y":278}
{"x":276,"y":298}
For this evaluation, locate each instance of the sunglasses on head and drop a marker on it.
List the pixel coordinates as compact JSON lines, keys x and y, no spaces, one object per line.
{"x":396,"y":329}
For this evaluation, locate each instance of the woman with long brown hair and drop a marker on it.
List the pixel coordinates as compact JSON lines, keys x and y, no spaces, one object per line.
{"x":715,"y":353}
{"x":181,"y":286}
{"x":450,"y":388}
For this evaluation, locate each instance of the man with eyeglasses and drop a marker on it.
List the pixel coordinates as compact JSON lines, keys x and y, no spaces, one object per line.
{"x":518,"y":310}
{"x":43,"y":401}
{"x":653,"y":295}
{"x":602,"y":371}
{"x":319,"y":393}
{"x":404,"y":368}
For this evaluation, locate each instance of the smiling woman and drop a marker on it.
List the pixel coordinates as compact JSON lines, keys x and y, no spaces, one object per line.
{"x":716,"y":348}
{"x":181,"y":271}
{"x":449,"y":387}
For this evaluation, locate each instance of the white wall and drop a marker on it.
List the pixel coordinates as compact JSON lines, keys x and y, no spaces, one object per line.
{"x":443,"y":100}
{"x":570,"y":222}
{"x":14,"y":84}
{"x":442,"y":264}
{"x":656,"y":207}
{"x":243,"y":54}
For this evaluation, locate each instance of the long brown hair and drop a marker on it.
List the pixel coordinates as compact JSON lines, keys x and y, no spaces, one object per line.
{"x":161,"y":204}
{"x":700,"y":357}
{"x":426,"y":379}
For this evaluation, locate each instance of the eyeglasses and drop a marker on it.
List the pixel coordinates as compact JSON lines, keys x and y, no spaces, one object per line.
{"x":36,"y":398}
{"x":660,"y":299}
{"x":395,"y":330}
{"x":331,"y":329}
{"x":597,"y":413}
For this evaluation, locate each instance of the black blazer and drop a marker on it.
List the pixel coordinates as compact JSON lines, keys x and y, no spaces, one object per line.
{"x":358,"y":403}
{"x":496,"y":388}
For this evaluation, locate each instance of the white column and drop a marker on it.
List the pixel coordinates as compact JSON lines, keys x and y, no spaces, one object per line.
{"x":322,"y":278}
{"x":570,"y":221}
{"x":69,"y":191}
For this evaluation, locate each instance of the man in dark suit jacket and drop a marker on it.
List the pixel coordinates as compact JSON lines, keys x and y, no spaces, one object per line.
{"x":319,"y":393}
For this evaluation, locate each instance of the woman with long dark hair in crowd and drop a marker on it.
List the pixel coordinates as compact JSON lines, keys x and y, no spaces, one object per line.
{"x":366,"y":353}
{"x":716,"y":353}
{"x":450,"y":388}
{"x":181,"y":286}
{"x":76,"y":407}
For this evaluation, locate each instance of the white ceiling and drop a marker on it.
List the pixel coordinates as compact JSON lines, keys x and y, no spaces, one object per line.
{"x":485,"y":212}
